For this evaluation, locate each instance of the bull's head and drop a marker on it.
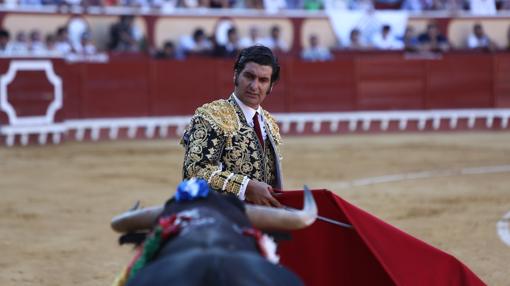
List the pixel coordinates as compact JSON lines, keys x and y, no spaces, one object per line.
{"x":206,"y":233}
{"x":264,"y":218}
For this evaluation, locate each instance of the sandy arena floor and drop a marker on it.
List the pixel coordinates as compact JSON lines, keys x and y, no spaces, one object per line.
{"x":57,"y":201}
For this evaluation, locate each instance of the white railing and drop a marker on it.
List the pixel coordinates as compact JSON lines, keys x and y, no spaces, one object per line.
{"x":159,"y":126}
{"x":385,"y":117}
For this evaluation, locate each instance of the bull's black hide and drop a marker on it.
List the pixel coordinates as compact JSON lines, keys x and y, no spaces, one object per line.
{"x":212,"y":250}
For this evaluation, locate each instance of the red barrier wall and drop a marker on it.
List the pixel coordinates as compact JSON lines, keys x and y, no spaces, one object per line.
{"x":139,"y":86}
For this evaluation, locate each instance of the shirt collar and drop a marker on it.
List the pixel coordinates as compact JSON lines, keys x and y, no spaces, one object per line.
{"x":248,"y":112}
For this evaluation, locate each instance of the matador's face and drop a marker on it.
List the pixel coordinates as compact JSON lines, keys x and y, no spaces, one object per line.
{"x":253,"y":84}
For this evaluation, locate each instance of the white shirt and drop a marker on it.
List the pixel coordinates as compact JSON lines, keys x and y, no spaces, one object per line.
{"x":316,"y":54}
{"x":388,"y":43}
{"x":273,"y":6}
{"x":63,"y":47}
{"x":248,"y":113}
{"x":474,"y":42}
{"x":248,"y":42}
{"x":275,"y":44}
{"x":483,"y":7}
{"x":188,"y":44}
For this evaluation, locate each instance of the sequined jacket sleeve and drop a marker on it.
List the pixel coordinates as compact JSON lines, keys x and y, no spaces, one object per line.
{"x":203,"y":151}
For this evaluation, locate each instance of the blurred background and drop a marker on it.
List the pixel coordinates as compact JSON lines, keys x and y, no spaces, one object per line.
{"x":117,"y":59}
{"x":398,"y":106}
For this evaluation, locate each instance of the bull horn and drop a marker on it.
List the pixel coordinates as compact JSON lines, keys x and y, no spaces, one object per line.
{"x":267,"y":218}
{"x":137,"y":219}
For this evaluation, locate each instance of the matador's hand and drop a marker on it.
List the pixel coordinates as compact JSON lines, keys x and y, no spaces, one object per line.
{"x":260,"y":193}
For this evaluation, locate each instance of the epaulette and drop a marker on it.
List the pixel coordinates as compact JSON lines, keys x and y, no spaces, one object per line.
{"x":222,"y":117}
{"x":275,"y":130}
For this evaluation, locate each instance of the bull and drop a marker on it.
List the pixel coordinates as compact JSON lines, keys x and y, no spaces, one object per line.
{"x":200,"y":237}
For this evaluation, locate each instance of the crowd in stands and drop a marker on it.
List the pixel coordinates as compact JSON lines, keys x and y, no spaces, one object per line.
{"x":430,"y":40}
{"x":201,"y":44}
{"x":33,"y":43}
{"x":482,"y":6}
{"x":125,"y":37}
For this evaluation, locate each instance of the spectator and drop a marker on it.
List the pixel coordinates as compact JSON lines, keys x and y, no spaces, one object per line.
{"x":275,"y":42}
{"x":356,"y":41}
{"x":409,"y":40}
{"x":253,"y":38}
{"x":451,"y":5}
{"x":295,"y":4}
{"x":133,"y":3}
{"x":385,"y":40}
{"x":478,"y":40}
{"x":168,"y":52}
{"x":87,"y":46}
{"x":62,"y":44}
{"x":504,"y":5}
{"x":198,"y":43}
{"x":31,"y":2}
{"x":432,"y":40}
{"x":362,"y":5}
{"x":415,"y":5}
{"x":313,"y":5}
{"x":165,"y":5}
{"x":252,"y":4}
{"x":71,"y":2}
{"x":5,"y":46}
{"x":427,"y":5}
{"x":315,"y":52}
{"x":195,"y":3}
{"x":482,"y":7}
{"x":98,"y":3}
{"x":50,"y":43}
{"x":124,"y":37}
{"x":37,"y":46}
{"x":75,"y":29}
{"x":20,"y":45}
{"x":273,"y":6}
{"x":219,"y":4}
{"x":231,"y":47}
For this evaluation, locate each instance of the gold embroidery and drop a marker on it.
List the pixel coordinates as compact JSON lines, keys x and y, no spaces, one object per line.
{"x":273,"y":126}
{"x":219,"y":136}
{"x":222,"y":117}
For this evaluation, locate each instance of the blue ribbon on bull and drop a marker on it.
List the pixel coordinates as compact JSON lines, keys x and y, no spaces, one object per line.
{"x":192,"y":189}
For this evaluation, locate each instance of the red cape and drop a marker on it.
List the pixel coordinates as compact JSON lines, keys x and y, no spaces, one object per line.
{"x":372,"y":252}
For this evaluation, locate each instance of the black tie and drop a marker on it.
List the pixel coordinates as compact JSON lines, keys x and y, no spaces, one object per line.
{"x":256,"y":126}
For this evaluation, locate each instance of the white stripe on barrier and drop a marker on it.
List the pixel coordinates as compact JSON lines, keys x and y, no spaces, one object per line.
{"x":299,"y":120}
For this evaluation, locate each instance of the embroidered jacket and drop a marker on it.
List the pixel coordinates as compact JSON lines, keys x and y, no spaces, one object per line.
{"x":224,"y":150}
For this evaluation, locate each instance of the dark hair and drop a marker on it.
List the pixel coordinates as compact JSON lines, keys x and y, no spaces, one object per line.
{"x":4,"y":34}
{"x":198,"y":33}
{"x":260,"y":55}
{"x":61,"y":30}
{"x":169,"y":44}
{"x":231,"y":30}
